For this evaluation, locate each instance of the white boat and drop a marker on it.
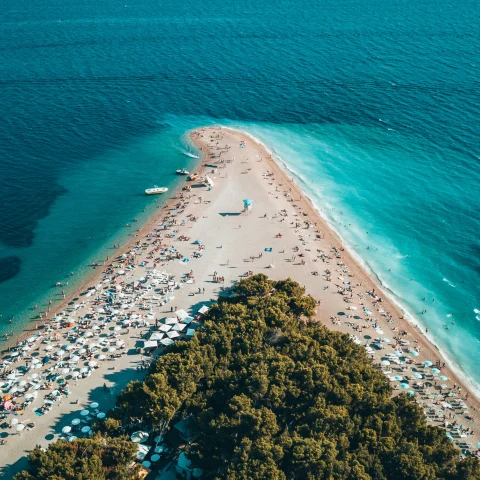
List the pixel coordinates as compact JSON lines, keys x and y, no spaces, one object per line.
{"x":156,"y":190}
{"x":183,"y":172}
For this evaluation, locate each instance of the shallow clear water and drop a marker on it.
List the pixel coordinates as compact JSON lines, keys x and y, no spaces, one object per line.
{"x":374,"y":105}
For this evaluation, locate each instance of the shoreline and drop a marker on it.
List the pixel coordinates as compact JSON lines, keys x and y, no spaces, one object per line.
{"x":217,"y":239}
{"x":457,"y":371}
{"x":92,"y":276}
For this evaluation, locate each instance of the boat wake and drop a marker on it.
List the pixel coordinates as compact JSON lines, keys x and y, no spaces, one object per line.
{"x":191,"y":155}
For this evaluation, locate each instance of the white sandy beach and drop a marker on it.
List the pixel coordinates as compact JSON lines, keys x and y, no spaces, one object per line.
{"x":282,"y":236}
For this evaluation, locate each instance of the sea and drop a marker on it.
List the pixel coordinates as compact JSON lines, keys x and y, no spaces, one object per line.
{"x":373,"y":106}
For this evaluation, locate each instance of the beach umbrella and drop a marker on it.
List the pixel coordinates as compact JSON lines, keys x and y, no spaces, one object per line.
{"x":94,"y":405}
{"x":48,"y":348}
{"x":159,"y":449}
{"x":26,"y":347}
{"x":31,"y":339}
{"x":427,"y":363}
{"x":385,"y":363}
{"x":68,"y":347}
{"x":414,"y":353}
{"x":85,"y":429}
{"x":443,"y":387}
{"x":15,"y":354}
{"x":146,"y":464}
{"x":22,"y":383}
{"x":155,"y":457}
{"x":72,"y":438}
{"x":28,"y":396}
{"x":35,"y":361}
{"x":75,"y":374}
{"x":92,"y":363}
{"x":76,"y":421}
{"x":111,"y":349}
{"x":411,"y":393}
{"x":84,"y":413}
{"x":11,"y":376}
{"x":398,"y":378}
{"x":83,"y":370}
{"x":101,"y":415}
{"x":102,"y":357}
{"x":60,"y":352}
{"x":65,"y":370}
{"x":19,"y":427}
{"x":75,"y":358}
{"x":435,"y":370}
{"x":81,"y":351}
{"x":443,"y":378}
{"x":67,"y":429}
{"x":418,"y":375}
{"x":139,"y":437}
{"x":404,"y":386}
{"x":13,"y":421}
{"x":158,"y":439}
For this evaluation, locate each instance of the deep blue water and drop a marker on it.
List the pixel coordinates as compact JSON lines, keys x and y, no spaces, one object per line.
{"x":374,"y":105}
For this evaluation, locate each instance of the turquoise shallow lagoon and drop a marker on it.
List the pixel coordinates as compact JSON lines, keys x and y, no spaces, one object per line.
{"x":373,"y":106}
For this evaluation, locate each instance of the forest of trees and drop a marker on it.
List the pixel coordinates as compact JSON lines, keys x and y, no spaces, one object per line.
{"x":270,"y":395}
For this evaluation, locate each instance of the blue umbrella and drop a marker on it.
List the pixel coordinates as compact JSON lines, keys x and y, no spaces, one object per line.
{"x":443,"y":378}
{"x":398,"y":378}
{"x":411,"y":393}
{"x":427,"y":363}
{"x":418,"y":375}
{"x":435,"y":370}
{"x":404,"y":386}
{"x":414,"y":353}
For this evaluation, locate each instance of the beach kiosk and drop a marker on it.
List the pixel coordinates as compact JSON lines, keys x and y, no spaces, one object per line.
{"x":247,"y":205}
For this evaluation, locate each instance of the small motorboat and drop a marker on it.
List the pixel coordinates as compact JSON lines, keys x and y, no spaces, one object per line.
{"x":182,"y":172}
{"x":156,"y":190}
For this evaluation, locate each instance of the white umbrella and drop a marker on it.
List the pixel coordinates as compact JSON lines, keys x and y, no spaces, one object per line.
{"x":111,"y":349}
{"x":101,"y":415}
{"x":67,"y":429}
{"x":75,"y":358}
{"x":72,"y":438}
{"x":84,"y":413}
{"x":139,"y":437}
{"x":75,"y":374}
{"x":49,"y":347}
{"x":31,"y":339}
{"x":61,"y":352}
{"x":92,"y":363}
{"x":13,"y":421}
{"x":65,"y":370}
{"x":94,"y":405}
{"x":14,"y":354}
{"x":19,"y":427}
{"x":35,"y":361}
{"x":83,"y":370}
{"x":117,"y":328}
{"x":81,"y":351}
{"x":85,"y":429}
{"x":28,"y":396}
{"x":102,"y":357}
{"x":76,"y":421}
{"x":22,"y":383}
{"x":11,"y":376}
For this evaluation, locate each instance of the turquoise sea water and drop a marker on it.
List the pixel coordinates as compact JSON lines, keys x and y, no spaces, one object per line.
{"x":373,"y":105}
